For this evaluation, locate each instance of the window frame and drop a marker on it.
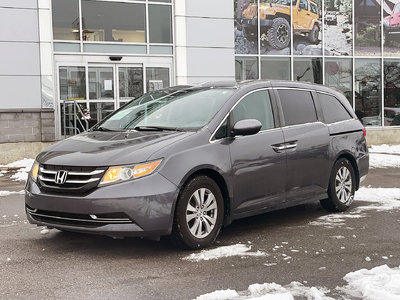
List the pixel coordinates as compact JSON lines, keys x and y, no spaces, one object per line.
{"x":317,"y":107}
{"x":340,"y":102}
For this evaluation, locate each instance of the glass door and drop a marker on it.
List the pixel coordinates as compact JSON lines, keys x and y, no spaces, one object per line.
{"x":130,"y":83}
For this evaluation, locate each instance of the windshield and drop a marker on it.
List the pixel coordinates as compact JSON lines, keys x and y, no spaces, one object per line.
{"x":182,"y":110}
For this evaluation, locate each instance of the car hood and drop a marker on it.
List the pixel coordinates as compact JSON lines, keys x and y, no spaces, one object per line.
{"x":108,"y":148}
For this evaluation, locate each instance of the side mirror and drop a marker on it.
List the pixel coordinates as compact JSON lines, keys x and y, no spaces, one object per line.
{"x":246,"y":127}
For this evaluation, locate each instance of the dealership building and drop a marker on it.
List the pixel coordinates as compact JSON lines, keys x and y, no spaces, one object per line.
{"x":66,"y":64}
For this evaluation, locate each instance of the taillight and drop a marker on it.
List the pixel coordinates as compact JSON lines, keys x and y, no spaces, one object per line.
{"x":364,"y":132}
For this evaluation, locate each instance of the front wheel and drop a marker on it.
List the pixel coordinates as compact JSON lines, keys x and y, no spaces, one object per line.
{"x":278,"y":34}
{"x":313,"y":35}
{"x":199,"y":214}
{"x":342,"y":186}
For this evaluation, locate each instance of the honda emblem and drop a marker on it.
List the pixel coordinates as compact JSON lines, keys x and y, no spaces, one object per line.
{"x":61,"y":177}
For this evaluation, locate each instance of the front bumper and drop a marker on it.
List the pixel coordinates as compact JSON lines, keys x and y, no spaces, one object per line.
{"x":247,"y":22}
{"x":147,"y":205}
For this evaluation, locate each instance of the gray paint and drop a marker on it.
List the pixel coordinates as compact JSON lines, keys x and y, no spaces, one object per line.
{"x":210,"y":8}
{"x":19,"y":3}
{"x":203,"y":33}
{"x":20,"y":59}
{"x":16,"y":25}
{"x":218,"y":62}
{"x":13,"y":95}
{"x":258,"y":178}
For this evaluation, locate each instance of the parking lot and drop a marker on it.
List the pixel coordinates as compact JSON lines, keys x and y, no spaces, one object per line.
{"x":303,"y":244}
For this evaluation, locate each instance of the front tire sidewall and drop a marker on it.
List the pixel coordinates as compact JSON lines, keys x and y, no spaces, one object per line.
{"x":181,"y":229}
{"x":313,"y":35}
{"x":333,"y":198}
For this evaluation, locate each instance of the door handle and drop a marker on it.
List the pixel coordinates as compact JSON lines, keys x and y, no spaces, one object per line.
{"x":278,"y":148}
{"x":291,"y":145}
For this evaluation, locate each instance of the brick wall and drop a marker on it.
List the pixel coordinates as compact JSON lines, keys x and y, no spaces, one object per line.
{"x":27,"y":126}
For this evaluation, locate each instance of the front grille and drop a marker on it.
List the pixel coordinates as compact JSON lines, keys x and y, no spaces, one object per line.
{"x":83,"y":220}
{"x":77,"y":179}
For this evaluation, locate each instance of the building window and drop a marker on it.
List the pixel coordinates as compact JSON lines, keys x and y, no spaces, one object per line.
{"x":101,"y":83}
{"x":275,"y":68}
{"x":65,"y":19}
{"x":307,"y":69}
{"x":113,"y":21}
{"x":72,"y":83}
{"x":157,"y":78}
{"x":339,"y":74}
{"x":368,"y":91}
{"x":392,"y":92}
{"x":160,"y":24}
{"x":246,"y":68}
{"x":130,"y":82}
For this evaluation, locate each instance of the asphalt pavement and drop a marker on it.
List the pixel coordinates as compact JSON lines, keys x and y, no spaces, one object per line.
{"x":59,"y":265}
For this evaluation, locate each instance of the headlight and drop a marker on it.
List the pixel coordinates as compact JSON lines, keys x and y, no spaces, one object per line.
{"x":124,"y":173}
{"x":34,"y":171}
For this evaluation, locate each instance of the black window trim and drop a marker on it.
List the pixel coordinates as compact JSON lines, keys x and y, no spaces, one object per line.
{"x":334,"y":96}
{"x":276,"y":123}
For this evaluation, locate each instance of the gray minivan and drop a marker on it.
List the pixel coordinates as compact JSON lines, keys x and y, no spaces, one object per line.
{"x":186,"y":161}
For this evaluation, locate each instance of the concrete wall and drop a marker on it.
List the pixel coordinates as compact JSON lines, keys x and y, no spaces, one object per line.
{"x":390,"y":136}
{"x":26,"y":71}
{"x":204,"y":39}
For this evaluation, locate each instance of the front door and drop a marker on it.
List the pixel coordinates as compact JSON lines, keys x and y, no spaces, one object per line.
{"x":258,"y":169}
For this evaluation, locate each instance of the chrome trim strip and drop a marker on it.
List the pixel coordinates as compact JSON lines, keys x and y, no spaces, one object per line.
{"x":95,"y":172}
{"x":69,"y":181}
{"x":100,"y":220}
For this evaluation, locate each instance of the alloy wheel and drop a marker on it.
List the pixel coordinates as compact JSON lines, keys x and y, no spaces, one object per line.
{"x":283,"y":33}
{"x":201,"y":213}
{"x":343,"y":185}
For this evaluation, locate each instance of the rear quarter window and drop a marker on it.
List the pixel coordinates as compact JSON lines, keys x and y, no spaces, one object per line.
{"x":332,"y":109}
{"x":297,"y":107}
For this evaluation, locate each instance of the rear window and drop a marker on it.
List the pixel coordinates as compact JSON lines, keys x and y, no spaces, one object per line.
{"x":332,"y":109}
{"x":297,"y":106}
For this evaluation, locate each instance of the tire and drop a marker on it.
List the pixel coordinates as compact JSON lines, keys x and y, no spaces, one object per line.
{"x":313,"y":35}
{"x":250,"y":34}
{"x":189,"y":212}
{"x":278,"y":34}
{"x":342,"y":186}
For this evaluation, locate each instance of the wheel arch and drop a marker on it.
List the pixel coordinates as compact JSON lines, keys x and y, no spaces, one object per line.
{"x":350,"y":157}
{"x":216,"y":175}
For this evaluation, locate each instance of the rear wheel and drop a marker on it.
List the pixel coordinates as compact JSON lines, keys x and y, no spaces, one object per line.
{"x":199,"y":214}
{"x":342,"y":186}
{"x":278,"y":34}
{"x":313,"y":35}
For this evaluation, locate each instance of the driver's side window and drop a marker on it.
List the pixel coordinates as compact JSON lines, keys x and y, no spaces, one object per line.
{"x":303,"y":4}
{"x":257,"y":106}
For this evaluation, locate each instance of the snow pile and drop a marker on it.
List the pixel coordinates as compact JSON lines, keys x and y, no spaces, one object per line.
{"x":220,"y":295}
{"x":23,"y":166}
{"x":225,"y":251}
{"x":271,"y":291}
{"x":377,"y":160}
{"x":7,"y":193}
{"x":378,"y":283}
{"x":395,"y":149}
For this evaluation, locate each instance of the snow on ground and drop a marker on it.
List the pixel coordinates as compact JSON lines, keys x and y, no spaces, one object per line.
{"x":23,"y":165}
{"x":377,"y":160}
{"x":271,"y":291}
{"x":378,"y":283}
{"x":7,"y":193}
{"x":225,"y":251}
{"x":380,"y":199}
{"x":393,"y":149}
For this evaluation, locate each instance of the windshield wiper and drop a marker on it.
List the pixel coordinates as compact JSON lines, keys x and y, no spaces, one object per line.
{"x":100,"y":128}
{"x":156,"y":128}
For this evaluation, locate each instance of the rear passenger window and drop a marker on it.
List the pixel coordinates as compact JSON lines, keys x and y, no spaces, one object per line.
{"x":297,"y":106}
{"x":332,"y":109}
{"x":257,"y":106}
